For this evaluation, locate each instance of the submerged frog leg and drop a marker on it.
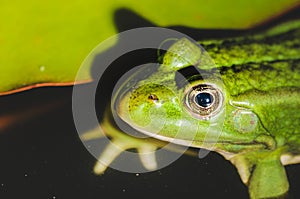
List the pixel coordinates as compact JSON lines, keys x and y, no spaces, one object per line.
{"x":92,"y":134}
{"x":147,"y":156}
{"x":121,"y":142}
{"x":110,"y":153}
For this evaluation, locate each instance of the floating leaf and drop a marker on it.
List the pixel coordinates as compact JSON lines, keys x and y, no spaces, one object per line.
{"x":44,"y":42}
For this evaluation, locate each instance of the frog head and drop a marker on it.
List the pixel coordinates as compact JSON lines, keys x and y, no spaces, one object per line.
{"x":185,"y":101}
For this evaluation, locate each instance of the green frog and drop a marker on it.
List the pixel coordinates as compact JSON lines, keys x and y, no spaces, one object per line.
{"x":239,"y":97}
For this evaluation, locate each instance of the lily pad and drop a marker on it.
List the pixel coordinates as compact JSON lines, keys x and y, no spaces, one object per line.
{"x":44,"y":42}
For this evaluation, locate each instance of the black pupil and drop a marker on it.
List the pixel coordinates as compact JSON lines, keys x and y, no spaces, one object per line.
{"x":204,"y":99}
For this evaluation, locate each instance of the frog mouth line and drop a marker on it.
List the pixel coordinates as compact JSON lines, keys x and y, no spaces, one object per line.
{"x":208,"y":144}
{"x":184,"y":142}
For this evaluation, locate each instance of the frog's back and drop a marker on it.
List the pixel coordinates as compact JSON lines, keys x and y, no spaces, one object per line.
{"x":264,"y":71}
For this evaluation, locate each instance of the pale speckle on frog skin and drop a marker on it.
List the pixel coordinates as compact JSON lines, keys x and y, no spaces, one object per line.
{"x":245,"y":121}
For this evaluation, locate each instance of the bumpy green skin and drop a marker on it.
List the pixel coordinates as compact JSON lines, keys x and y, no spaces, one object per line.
{"x":259,"y":77}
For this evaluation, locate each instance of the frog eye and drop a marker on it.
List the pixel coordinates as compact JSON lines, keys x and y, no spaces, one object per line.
{"x":203,"y":101}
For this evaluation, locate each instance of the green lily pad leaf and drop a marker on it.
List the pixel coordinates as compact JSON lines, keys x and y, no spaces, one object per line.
{"x":44,"y":42}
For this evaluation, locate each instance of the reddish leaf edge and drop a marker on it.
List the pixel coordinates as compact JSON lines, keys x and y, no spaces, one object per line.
{"x":45,"y":84}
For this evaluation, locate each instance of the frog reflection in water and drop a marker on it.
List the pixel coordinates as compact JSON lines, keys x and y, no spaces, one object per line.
{"x":252,"y":89}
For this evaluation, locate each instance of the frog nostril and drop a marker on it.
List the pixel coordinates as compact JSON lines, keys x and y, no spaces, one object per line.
{"x":204,"y":99}
{"x":152,"y":97}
